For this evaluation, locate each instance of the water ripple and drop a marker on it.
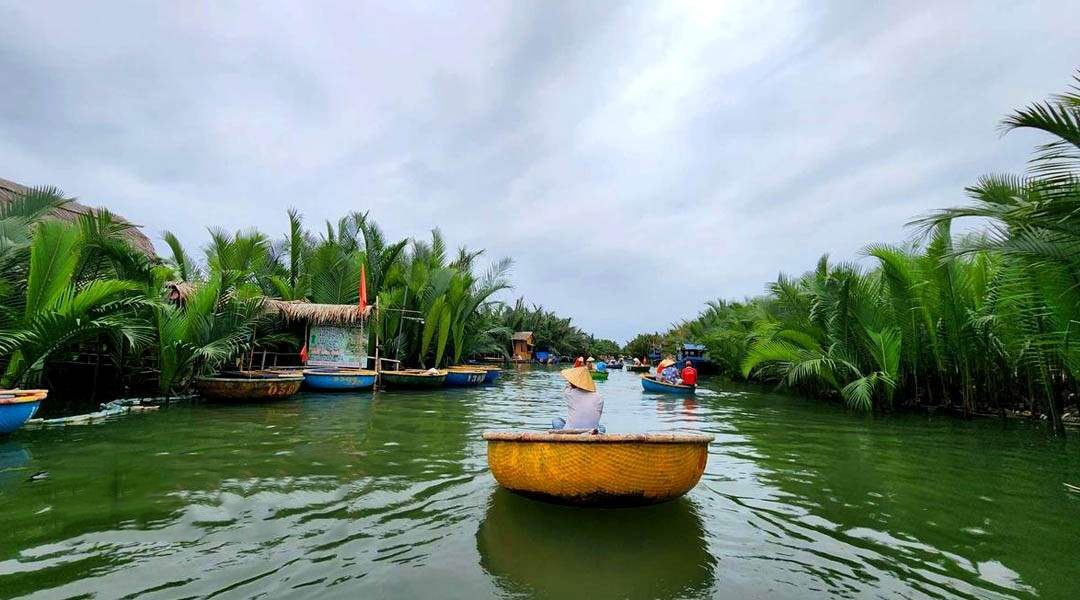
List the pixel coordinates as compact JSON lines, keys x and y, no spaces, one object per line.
{"x":388,"y":495}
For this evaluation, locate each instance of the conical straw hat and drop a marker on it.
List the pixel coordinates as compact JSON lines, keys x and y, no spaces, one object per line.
{"x":667,"y":362}
{"x":579,"y":377}
{"x":590,"y":359}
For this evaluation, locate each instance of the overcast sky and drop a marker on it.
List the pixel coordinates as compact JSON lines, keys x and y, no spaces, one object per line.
{"x":635,"y":159}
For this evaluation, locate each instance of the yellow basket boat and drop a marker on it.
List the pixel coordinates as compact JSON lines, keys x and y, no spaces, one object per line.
{"x":598,"y":470}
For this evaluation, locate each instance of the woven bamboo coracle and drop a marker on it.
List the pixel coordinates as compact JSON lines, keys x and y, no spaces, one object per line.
{"x":598,"y":470}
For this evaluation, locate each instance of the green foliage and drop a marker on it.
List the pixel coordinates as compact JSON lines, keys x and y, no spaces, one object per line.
{"x":71,"y":294}
{"x":214,"y":325}
{"x":976,"y":321}
{"x":551,"y":333}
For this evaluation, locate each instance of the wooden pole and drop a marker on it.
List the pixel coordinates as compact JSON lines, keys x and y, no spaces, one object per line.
{"x":251,"y":359}
{"x":376,"y":313}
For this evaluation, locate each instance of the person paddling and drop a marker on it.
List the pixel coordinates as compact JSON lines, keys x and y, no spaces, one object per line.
{"x":584,"y":406}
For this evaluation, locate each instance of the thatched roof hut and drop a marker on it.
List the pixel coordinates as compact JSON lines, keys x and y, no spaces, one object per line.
{"x":290,"y":310}
{"x":179,"y":291}
{"x":318,"y":314}
{"x":522,"y":345}
{"x":72,"y":210}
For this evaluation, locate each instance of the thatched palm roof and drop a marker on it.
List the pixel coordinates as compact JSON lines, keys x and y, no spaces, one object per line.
{"x":72,"y":210}
{"x":290,"y":310}
{"x":318,"y":314}
{"x":522,"y":335}
{"x":179,"y":291}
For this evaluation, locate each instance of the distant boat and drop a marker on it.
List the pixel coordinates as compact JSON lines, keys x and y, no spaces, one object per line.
{"x":638,"y":368}
{"x":413,"y":378}
{"x":249,"y":385}
{"x":651,"y":384}
{"x":465,"y":376}
{"x":339,"y":379}
{"x":598,"y":470}
{"x":695,"y":353}
{"x":17,"y":407}
{"x":615,"y":365}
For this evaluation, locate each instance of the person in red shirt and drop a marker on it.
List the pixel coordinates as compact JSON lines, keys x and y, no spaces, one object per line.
{"x":689,"y":374}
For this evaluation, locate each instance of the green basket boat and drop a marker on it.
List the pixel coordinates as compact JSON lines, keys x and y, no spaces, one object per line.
{"x":412,"y":378}
{"x":599,"y":375}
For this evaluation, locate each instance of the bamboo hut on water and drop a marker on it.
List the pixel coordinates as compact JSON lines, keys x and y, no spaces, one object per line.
{"x":523,"y":342}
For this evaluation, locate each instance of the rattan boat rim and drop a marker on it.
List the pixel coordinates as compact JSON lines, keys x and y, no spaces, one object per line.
{"x":288,"y":377}
{"x":332,"y":371}
{"x":601,"y":438}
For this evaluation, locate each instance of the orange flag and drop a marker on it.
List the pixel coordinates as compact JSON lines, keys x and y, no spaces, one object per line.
{"x":303,"y":354}
{"x":363,"y":286}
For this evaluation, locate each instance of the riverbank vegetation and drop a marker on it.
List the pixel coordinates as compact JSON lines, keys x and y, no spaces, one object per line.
{"x":553,"y":333}
{"x":72,"y":288}
{"x":988,"y":319}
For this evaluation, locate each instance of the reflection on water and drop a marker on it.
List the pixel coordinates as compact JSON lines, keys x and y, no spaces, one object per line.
{"x":552,"y":551}
{"x":388,"y":495}
{"x":14,"y":457}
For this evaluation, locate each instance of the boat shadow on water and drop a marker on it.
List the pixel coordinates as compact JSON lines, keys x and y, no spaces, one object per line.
{"x":553,"y":551}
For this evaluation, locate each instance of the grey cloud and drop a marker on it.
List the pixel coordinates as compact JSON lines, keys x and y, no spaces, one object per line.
{"x":635,"y":159}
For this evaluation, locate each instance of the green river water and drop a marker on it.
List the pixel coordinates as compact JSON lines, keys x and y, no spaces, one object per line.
{"x":389,"y":496}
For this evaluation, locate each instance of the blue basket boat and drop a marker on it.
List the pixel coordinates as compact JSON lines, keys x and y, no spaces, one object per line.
{"x":652,"y":385}
{"x":339,"y":379}
{"x":491,"y":374}
{"x":17,"y":407}
{"x":465,"y":376}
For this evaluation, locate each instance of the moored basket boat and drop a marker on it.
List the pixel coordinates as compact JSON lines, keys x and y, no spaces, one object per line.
{"x":17,"y":407}
{"x":249,"y":385}
{"x":491,"y":373}
{"x":598,"y":375}
{"x":339,"y":379}
{"x":464,"y":376}
{"x":598,"y":470}
{"x":650,"y":384}
{"x":412,"y":378}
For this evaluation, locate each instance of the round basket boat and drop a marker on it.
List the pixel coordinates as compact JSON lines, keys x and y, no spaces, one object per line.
{"x":412,"y":378}
{"x":491,"y":372}
{"x":339,"y":379}
{"x":464,"y":376}
{"x":651,"y":384}
{"x":638,"y":368}
{"x":598,"y":375}
{"x":598,"y":470}
{"x":17,"y":407}
{"x":257,"y":387}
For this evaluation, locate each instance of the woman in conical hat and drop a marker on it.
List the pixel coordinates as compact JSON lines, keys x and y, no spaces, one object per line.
{"x":584,"y":406}
{"x":662,"y":373}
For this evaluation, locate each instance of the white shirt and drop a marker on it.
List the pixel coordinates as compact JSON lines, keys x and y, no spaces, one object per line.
{"x":583,"y":409}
